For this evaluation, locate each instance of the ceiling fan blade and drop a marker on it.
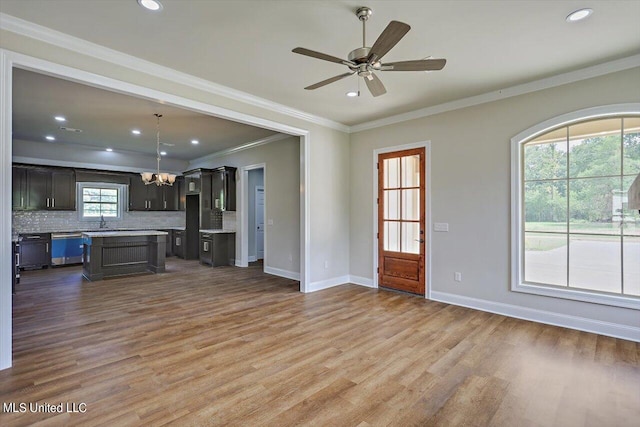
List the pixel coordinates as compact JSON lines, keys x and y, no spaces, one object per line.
{"x":326,"y":82}
{"x":319,"y":55}
{"x":418,"y":65}
{"x":387,"y":40}
{"x":375,"y":85}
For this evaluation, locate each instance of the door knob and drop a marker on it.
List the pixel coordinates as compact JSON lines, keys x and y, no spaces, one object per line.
{"x":419,"y":240}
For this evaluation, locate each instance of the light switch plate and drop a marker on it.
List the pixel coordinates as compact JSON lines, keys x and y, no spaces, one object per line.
{"x":440,"y":226}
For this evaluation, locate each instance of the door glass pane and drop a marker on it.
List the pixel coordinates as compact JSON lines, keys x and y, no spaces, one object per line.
{"x":392,"y":173}
{"x":631,"y":146}
{"x":411,"y":171}
{"x":411,"y":204}
{"x":595,"y":263}
{"x":545,"y":258}
{"x":410,"y":237}
{"x":391,"y":204}
{"x":595,"y":205}
{"x":631,"y":265}
{"x":595,"y":149}
{"x":545,"y":206}
{"x":392,"y":236}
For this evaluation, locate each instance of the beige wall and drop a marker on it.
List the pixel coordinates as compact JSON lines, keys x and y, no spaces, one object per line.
{"x":470,"y":189}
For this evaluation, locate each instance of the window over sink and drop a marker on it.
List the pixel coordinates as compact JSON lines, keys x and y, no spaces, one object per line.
{"x":100,"y":200}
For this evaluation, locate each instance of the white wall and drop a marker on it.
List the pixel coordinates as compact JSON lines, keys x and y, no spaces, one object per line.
{"x":470,"y":182}
{"x":282,"y":196}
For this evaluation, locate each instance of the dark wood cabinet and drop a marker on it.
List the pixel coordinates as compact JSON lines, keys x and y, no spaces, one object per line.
{"x":35,"y":250}
{"x":181,"y":191}
{"x":179,"y":243}
{"x":205,"y":192}
{"x":217,"y":249}
{"x":19,"y":188}
{"x":223,"y":188}
{"x":143,"y":197}
{"x":43,"y":189}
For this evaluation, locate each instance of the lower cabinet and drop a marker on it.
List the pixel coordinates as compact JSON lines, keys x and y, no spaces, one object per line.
{"x":179,"y":243}
{"x":217,"y":249}
{"x":35,"y":250}
{"x":169,"y":244}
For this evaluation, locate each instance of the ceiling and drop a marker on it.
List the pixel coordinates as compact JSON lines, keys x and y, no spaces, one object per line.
{"x":107,"y":118}
{"x":246,"y":45}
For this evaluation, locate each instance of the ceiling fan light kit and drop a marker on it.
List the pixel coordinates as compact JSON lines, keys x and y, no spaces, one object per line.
{"x":365,"y":60}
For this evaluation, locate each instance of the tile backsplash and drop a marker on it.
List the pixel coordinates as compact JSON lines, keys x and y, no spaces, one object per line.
{"x":54,"y":221}
{"x":229,"y":220}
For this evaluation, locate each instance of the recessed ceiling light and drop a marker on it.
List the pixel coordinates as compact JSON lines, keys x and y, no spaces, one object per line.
{"x":50,"y":138}
{"x":109,"y":149}
{"x":153,"y":5}
{"x":136,"y":132}
{"x":579,"y":15}
{"x":60,"y":119}
{"x":353,"y":94}
{"x":163,"y":153}
{"x":195,"y":141}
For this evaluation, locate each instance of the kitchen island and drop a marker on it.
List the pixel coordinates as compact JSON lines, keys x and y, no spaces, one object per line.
{"x":117,"y":253}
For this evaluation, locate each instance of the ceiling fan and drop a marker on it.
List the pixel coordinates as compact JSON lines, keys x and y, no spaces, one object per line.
{"x":365,"y":60}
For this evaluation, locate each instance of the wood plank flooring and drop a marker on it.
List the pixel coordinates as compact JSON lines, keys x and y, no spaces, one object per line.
{"x":237,"y":347}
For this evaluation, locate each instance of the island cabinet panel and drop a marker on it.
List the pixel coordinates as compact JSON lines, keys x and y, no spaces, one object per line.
{"x":115,"y":254}
{"x":179,"y":244}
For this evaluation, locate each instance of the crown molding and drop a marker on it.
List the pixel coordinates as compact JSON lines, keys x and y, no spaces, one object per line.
{"x":199,"y":162}
{"x":75,"y":44}
{"x":534,"y":86}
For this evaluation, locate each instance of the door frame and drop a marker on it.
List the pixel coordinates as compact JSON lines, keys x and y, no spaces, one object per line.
{"x":264,"y":216}
{"x":243,"y":187}
{"x":427,"y":200}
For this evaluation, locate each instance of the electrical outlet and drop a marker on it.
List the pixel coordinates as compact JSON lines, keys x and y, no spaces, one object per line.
{"x":270,"y":221}
{"x":326,"y":264}
{"x":457,"y":276}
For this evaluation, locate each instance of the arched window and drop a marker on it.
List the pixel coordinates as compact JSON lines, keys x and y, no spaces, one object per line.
{"x":573,"y":234}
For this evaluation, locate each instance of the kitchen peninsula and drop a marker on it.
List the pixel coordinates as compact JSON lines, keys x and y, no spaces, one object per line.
{"x":116,"y":253}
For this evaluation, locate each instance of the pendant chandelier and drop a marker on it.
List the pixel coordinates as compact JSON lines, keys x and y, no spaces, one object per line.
{"x":158,"y":178}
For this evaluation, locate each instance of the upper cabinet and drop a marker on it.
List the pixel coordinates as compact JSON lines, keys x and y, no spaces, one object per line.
{"x":143,"y":197}
{"x":43,"y":188}
{"x":223,"y":188}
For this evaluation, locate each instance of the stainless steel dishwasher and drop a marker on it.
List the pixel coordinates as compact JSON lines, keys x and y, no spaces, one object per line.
{"x":66,"y":248}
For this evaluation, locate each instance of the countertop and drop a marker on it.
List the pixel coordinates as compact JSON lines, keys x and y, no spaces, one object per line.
{"x":217,"y":231}
{"x":123,"y":233}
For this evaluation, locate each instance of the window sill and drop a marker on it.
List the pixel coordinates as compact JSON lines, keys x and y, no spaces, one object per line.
{"x":579,"y":295}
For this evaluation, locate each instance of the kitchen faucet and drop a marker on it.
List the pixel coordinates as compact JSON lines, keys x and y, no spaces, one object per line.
{"x":103,"y":223}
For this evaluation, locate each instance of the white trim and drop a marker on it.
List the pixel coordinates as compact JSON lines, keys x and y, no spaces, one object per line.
{"x":361,"y":281}
{"x":534,"y":86}
{"x":243,"y":187}
{"x":11,"y":59}
{"x":252,"y":259}
{"x":615,"y":330}
{"x":98,"y":166}
{"x":328,"y":283}
{"x":6,"y":269}
{"x":427,"y":174}
{"x":200,"y":161}
{"x":264,"y":215}
{"x":74,"y":44}
{"x":282,"y":273}
{"x":123,"y":199}
{"x":517,"y":276}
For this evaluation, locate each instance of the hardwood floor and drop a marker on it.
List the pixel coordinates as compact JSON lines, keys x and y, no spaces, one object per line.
{"x":232,"y":346}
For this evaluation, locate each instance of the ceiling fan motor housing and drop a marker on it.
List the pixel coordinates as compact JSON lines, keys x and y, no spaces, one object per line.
{"x":359,"y":55}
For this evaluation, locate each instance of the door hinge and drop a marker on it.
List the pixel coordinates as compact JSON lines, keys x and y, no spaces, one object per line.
{"x":377,"y":235}
{"x":378,"y":270}
{"x":377,"y":200}
{"x":378,"y":165}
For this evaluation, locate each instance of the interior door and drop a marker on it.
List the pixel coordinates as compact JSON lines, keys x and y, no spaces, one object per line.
{"x":401,"y":220}
{"x":259,"y":222}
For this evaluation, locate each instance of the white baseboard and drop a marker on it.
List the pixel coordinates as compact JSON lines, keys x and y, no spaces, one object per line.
{"x":329,"y":283}
{"x":362,"y":281}
{"x":282,"y":273}
{"x":541,"y":316}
